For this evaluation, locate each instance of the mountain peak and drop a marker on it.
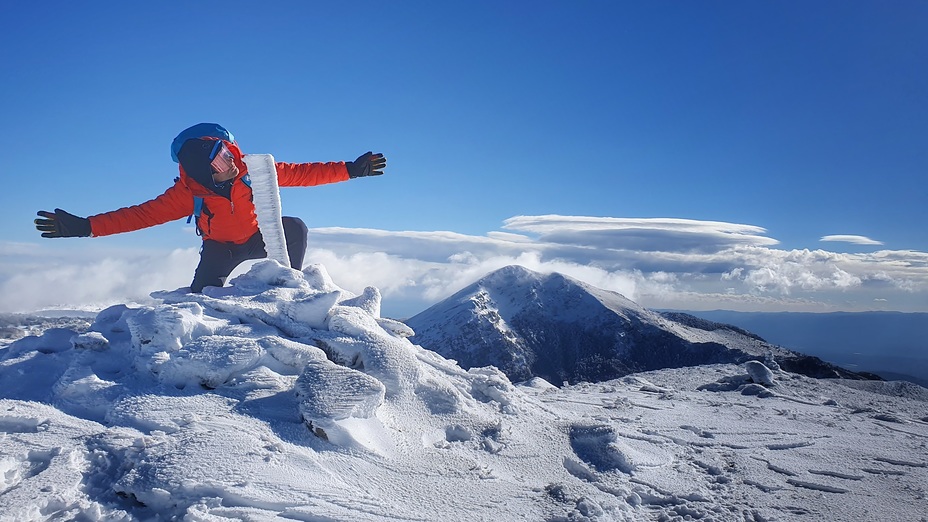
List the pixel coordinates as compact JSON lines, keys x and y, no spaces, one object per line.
{"x":510,"y":271}
{"x":555,"y":327}
{"x":514,"y":288}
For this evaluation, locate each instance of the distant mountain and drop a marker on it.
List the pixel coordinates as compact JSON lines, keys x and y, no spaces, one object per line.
{"x":16,"y":326}
{"x":529,"y":324}
{"x":891,"y":344}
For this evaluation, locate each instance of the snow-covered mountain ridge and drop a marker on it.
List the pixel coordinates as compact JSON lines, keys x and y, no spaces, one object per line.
{"x":555,"y":327}
{"x":893,"y":345}
{"x":284,"y":397}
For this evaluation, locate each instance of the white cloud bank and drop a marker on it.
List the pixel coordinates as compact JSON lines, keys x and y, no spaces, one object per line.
{"x":81,"y":275}
{"x":857,"y":240}
{"x":660,"y":263}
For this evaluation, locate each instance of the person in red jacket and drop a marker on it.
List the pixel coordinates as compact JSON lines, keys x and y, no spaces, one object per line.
{"x":212,"y":169}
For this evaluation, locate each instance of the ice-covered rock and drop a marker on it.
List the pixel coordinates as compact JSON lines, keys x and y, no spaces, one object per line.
{"x":210,"y":360}
{"x":369,"y":301}
{"x":90,"y":341}
{"x":759,"y":373}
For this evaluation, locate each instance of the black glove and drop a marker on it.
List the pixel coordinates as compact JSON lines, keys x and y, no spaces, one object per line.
{"x":368,"y":164}
{"x":62,"y":224}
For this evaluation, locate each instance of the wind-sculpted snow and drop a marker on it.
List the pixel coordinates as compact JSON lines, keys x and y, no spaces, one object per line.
{"x":285,"y":397}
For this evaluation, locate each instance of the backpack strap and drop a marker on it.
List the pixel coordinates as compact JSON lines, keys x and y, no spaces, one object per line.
{"x":197,"y":209}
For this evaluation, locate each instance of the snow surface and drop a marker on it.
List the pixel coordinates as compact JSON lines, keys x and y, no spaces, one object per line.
{"x":284,"y":397}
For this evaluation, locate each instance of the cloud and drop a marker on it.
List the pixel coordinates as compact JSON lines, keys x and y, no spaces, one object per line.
{"x":666,"y":263}
{"x":45,"y":276}
{"x":654,"y":261}
{"x":648,"y":235}
{"x":420,"y":281}
{"x":857,"y":240}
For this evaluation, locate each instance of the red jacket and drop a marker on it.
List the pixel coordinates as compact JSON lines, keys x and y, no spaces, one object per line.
{"x":227,"y":220}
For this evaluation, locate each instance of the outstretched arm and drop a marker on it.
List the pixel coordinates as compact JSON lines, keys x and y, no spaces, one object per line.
{"x":175,"y":203}
{"x":311,"y":174}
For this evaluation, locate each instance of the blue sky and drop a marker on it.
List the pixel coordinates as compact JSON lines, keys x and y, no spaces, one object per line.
{"x":804,"y":120}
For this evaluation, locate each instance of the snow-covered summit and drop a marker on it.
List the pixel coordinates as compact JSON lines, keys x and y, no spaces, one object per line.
{"x":280,"y":354}
{"x":286,"y":397}
{"x":553,"y":326}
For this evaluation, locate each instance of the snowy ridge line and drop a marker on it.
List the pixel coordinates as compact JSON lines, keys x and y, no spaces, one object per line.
{"x":266,"y":194}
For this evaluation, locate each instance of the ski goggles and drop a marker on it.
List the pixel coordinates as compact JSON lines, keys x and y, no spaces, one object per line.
{"x":221,"y":158}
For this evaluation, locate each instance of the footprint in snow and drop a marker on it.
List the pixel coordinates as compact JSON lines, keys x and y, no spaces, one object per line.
{"x":22,"y":425}
{"x":605,"y":450}
{"x":25,"y":467}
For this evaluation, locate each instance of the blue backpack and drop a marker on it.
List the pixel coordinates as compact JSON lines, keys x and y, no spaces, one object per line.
{"x":200,"y":130}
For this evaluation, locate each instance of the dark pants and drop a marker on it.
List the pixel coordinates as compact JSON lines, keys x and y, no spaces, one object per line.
{"x":218,"y":259}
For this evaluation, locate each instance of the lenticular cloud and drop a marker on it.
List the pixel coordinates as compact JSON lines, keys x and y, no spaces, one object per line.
{"x":643,"y":234}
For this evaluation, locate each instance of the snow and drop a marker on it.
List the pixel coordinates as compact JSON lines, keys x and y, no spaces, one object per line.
{"x":285,"y":397}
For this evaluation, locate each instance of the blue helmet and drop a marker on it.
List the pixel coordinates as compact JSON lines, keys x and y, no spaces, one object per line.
{"x":213,"y":130}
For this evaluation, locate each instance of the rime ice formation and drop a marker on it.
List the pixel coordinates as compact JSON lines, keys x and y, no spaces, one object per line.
{"x":266,"y":194}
